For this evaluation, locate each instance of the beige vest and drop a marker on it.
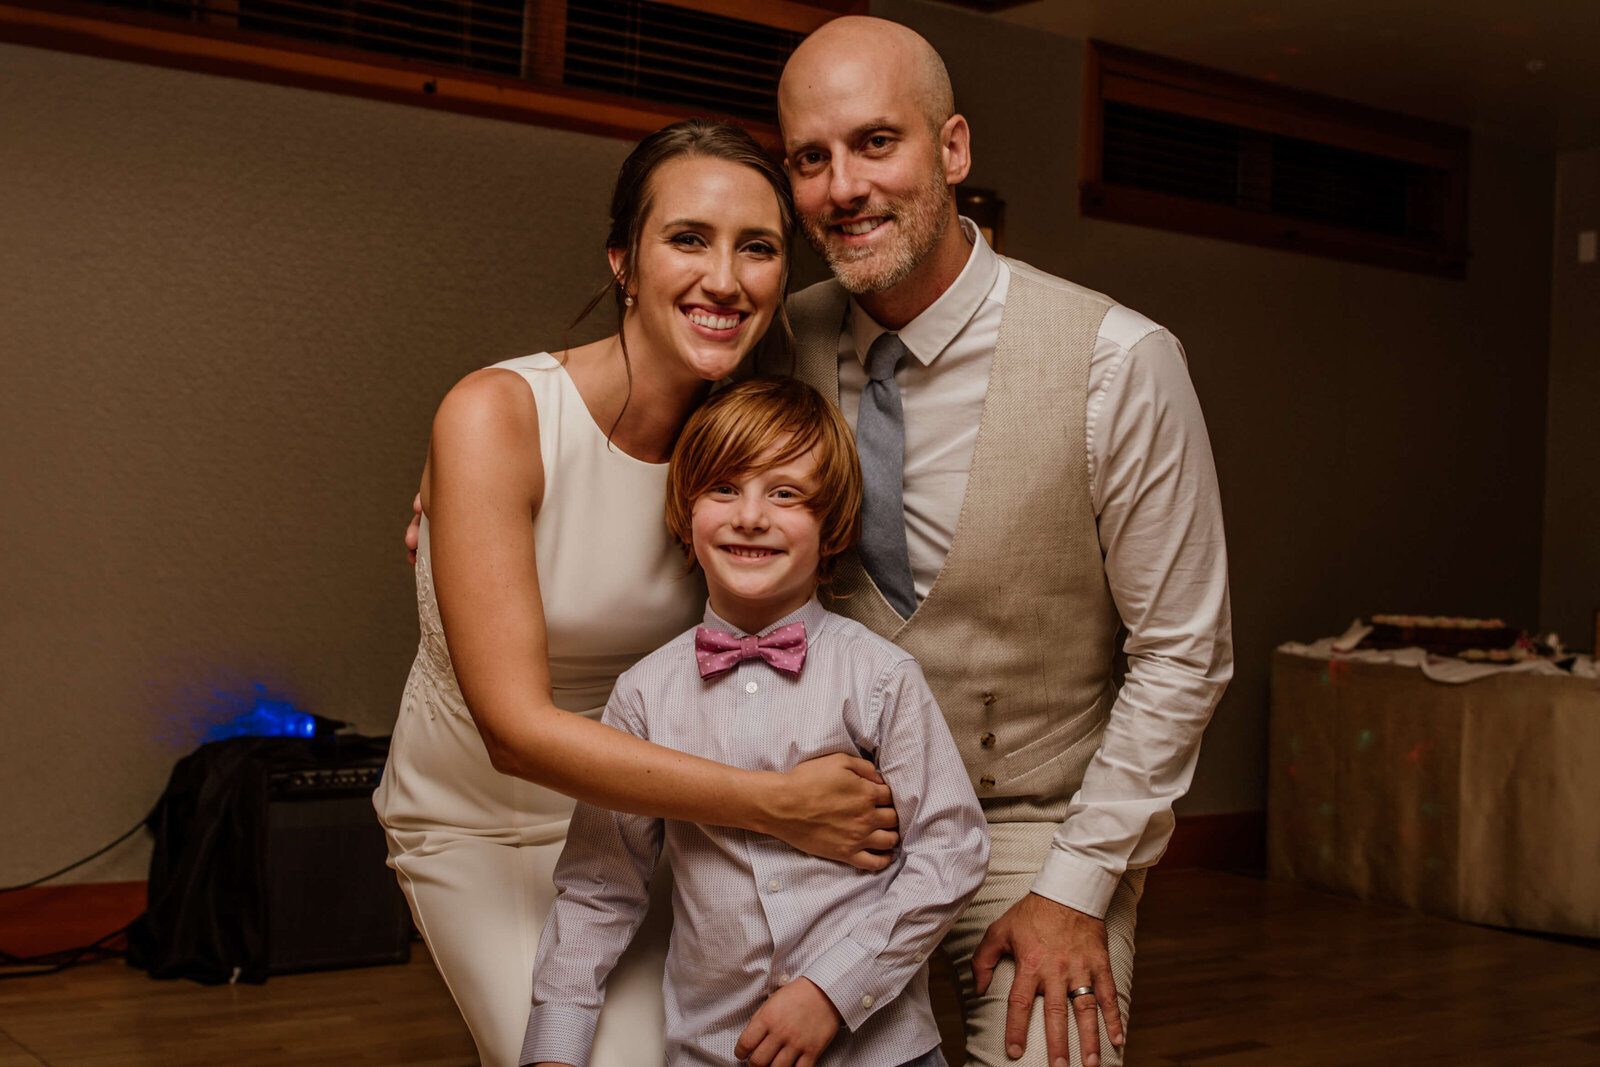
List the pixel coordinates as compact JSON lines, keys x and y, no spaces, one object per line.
{"x":1018,"y":634}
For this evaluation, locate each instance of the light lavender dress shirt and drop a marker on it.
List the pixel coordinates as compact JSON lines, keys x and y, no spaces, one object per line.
{"x":1159,"y":515}
{"x":751,"y":914}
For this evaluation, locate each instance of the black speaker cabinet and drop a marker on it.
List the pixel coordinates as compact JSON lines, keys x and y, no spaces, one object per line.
{"x":331,"y":899}
{"x":268,"y":859}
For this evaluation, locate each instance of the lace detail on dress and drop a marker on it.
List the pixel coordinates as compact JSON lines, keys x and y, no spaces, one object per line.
{"x":432,"y":679}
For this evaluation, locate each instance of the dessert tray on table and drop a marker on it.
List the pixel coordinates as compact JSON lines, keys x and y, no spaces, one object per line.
{"x":1447,"y":648}
{"x":1484,"y":640}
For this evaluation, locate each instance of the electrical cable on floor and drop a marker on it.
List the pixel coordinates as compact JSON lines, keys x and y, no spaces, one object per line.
{"x":56,"y":962}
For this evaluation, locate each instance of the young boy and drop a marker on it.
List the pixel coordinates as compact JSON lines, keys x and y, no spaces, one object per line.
{"x":772,"y":950}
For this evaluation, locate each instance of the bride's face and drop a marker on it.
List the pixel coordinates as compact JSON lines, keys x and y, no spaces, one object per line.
{"x":709,"y":270}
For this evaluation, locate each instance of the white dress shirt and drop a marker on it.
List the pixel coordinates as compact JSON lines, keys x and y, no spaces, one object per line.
{"x":1159,"y":515}
{"x":751,"y":914}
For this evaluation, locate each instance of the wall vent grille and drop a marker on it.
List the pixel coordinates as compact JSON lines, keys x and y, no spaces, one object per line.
{"x":716,"y":57}
{"x":665,"y":54}
{"x":1187,"y":149}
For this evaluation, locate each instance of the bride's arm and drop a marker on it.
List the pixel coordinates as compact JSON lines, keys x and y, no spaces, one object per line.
{"x":484,"y":484}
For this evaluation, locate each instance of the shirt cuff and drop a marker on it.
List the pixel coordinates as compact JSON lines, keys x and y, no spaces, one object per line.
{"x":851,"y":978}
{"x":1077,"y":883}
{"x":559,"y":1034}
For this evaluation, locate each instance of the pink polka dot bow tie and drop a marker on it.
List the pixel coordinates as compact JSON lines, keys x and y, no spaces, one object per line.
{"x":716,"y":651}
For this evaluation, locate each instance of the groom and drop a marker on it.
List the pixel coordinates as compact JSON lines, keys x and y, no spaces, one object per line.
{"x":1039,"y":450}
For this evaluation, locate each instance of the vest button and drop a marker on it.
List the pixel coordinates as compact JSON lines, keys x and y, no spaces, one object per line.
{"x":988,"y":698}
{"x":987,"y":781}
{"x":987,"y":740}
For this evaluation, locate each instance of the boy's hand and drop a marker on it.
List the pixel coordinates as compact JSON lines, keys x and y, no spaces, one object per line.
{"x":791,"y":1029}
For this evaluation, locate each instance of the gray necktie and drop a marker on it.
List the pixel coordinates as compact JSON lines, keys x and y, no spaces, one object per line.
{"x":881,"y":440}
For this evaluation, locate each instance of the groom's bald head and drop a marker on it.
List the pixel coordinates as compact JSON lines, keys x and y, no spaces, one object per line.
{"x":874,"y":48}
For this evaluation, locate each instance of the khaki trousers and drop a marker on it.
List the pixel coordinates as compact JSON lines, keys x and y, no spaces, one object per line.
{"x":1016,"y":853}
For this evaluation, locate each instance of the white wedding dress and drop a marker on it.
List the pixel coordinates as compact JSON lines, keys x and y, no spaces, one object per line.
{"x":473,"y":848}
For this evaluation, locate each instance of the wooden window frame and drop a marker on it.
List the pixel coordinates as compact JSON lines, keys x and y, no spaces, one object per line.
{"x":88,"y":29}
{"x":1123,"y":75}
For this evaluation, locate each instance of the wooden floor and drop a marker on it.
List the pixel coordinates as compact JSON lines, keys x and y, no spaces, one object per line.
{"x":1232,"y":972}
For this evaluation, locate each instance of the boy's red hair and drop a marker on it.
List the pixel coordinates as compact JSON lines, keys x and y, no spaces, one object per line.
{"x":740,"y":430}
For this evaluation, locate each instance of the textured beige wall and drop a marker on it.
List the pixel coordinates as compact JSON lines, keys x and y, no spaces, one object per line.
{"x":1378,"y":434}
{"x":227,"y":312}
{"x":1571,"y":579}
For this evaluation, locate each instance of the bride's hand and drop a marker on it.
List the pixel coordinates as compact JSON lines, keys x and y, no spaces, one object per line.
{"x":836,"y":807}
{"x":414,"y":530}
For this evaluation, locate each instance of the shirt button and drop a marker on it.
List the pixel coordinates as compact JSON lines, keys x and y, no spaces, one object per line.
{"x":866,"y":1001}
{"x":751,"y":687}
{"x":989,"y":698}
{"x":987,"y":781}
{"x":772,"y":886}
{"x":919,"y":957}
{"x":987,"y":740}
{"x":785,"y":978}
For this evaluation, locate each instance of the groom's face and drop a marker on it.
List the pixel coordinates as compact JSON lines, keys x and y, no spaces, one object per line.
{"x":868,"y":174}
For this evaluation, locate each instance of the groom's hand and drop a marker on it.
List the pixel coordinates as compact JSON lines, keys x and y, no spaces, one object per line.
{"x":1056,"y":949}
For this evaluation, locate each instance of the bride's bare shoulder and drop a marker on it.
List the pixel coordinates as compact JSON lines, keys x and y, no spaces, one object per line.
{"x":487,"y":405}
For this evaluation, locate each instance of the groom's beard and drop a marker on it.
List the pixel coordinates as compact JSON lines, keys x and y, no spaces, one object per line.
{"x":917,"y":223}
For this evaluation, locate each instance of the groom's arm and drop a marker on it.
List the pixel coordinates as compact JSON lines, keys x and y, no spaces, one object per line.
{"x":1160,"y":525}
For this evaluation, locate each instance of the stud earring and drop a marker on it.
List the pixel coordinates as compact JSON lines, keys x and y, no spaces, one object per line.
{"x":627,"y":300}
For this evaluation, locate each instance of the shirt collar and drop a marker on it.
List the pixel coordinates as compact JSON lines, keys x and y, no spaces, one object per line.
{"x":811,"y":613}
{"x":931,"y":332}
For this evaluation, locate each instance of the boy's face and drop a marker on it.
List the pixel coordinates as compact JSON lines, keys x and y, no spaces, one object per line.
{"x":757,"y":540}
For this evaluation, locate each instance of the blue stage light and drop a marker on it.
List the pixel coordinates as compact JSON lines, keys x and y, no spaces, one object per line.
{"x":266,"y":718}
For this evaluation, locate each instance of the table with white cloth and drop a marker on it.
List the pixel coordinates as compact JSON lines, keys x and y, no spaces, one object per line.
{"x":1467,"y":791}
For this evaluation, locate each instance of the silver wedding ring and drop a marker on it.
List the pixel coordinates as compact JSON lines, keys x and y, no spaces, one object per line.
{"x":1073,"y":994}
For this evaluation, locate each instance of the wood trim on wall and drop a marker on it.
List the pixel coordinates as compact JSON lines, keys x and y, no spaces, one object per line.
{"x":1234,"y":841}
{"x":1149,"y":208}
{"x":1170,"y":85}
{"x":782,"y":14}
{"x":54,"y":917}
{"x":51,"y":918}
{"x":85,"y":29}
